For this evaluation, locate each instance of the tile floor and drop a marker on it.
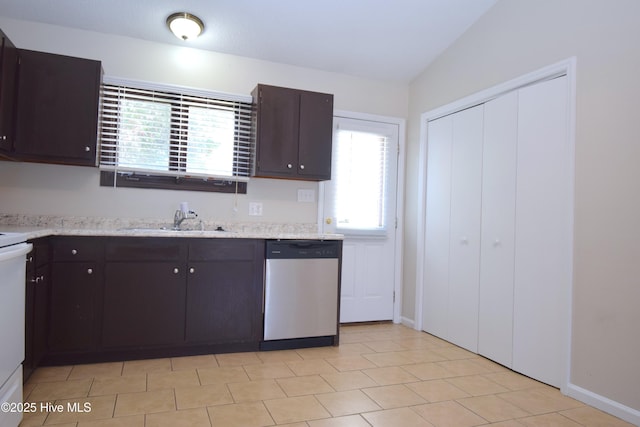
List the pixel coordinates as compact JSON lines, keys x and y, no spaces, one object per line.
{"x":382,"y":375}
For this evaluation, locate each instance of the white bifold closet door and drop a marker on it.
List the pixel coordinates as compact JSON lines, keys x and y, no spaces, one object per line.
{"x":438,"y":218}
{"x":498,"y":229}
{"x":464,"y":244}
{"x":495,"y":315}
{"x":543,"y":232}
{"x":452,"y":230}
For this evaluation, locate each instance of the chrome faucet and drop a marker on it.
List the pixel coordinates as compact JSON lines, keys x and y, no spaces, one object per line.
{"x":180,"y":216}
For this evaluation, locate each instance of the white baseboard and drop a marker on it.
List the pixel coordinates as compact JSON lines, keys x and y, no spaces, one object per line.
{"x":607,"y":405}
{"x":407,"y":322}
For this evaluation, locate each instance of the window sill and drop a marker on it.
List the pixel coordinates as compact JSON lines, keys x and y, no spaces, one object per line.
{"x":128,"y":180}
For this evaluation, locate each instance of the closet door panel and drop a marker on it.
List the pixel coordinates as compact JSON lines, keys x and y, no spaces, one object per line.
{"x":543,"y":223}
{"x":464,"y":249}
{"x":495,"y":318}
{"x":437,"y":221}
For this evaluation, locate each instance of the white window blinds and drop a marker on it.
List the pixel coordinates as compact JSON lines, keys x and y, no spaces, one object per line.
{"x":361,"y":170}
{"x":161,"y":130}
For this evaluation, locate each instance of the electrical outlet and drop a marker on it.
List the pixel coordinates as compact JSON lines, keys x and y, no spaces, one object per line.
{"x":306,"y":195}
{"x":255,"y":209}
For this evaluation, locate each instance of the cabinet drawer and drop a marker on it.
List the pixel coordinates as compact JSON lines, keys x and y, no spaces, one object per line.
{"x":145,"y":249}
{"x":222,"y":249}
{"x":77,"y":249}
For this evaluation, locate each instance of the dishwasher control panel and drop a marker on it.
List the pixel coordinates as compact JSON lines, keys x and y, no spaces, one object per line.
{"x":287,"y":249}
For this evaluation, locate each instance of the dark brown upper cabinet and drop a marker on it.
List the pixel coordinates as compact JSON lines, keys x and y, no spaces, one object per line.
{"x":57,"y":109}
{"x":293,"y":130}
{"x":8,"y":71}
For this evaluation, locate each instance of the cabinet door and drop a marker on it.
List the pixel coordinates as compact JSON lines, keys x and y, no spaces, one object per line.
{"x":224,"y":291}
{"x":464,"y":246}
{"x":144,"y":304}
{"x":223,"y":302}
{"x":438,"y":213}
{"x":278,"y":122}
{"x":74,"y":293}
{"x":543,"y":232}
{"x":40,"y":315}
{"x":8,"y":71}
{"x":57,"y":113}
{"x":315,"y":137}
{"x":495,"y":328}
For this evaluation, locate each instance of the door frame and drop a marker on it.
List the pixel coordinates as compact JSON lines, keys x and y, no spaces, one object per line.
{"x":566,"y":67}
{"x":399,"y":207}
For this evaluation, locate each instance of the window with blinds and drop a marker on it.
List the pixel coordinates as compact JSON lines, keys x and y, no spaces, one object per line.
{"x":168,"y":137}
{"x":361,"y":161}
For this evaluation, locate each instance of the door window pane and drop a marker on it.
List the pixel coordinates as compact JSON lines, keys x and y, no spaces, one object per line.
{"x":361,"y":161}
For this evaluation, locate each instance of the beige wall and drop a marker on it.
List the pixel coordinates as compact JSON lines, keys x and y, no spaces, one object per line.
{"x":519,"y":36}
{"x":67,"y":190}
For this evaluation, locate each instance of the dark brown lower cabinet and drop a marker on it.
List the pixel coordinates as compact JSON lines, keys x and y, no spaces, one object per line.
{"x":144,"y":304}
{"x":117,"y":298}
{"x":74,"y":306}
{"x":224,"y":292}
{"x":36,"y":306}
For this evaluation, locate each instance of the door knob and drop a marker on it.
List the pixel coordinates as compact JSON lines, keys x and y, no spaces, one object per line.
{"x":328,"y":221}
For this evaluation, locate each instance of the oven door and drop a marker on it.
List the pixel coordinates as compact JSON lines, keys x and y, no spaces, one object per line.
{"x":12,"y":299}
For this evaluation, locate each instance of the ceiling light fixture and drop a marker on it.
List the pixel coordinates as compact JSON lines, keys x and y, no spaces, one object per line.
{"x":185,"y":26}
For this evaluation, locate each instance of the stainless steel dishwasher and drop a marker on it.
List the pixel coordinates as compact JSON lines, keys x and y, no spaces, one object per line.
{"x":302,"y":278}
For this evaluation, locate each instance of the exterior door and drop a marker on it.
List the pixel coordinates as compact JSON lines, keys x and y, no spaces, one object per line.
{"x":360,"y":202}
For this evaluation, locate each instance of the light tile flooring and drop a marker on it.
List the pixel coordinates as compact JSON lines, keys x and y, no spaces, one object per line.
{"x":381,"y":375}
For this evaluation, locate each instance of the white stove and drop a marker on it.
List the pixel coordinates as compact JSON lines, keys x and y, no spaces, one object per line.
{"x":11,"y":238}
{"x":12,"y":300}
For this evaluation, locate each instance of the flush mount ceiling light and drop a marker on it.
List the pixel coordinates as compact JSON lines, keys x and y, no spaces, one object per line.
{"x":185,"y":25}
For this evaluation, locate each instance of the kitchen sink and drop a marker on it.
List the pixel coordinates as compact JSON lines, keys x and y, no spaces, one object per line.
{"x":154,"y":229}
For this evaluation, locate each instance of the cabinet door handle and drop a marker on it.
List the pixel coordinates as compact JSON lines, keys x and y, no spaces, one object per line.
{"x":464,"y":241}
{"x":176,"y":271}
{"x":192,"y":270}
{"x":496,"y":243}
{"x":87,"y":149}
{"x":301,"y":166}
{"x":74,"y":252}
{"x":289,"y":165}
{"x":89,"y":270}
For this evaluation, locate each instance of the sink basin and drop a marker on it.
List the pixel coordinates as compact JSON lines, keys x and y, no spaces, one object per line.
{"x":153,"y":229}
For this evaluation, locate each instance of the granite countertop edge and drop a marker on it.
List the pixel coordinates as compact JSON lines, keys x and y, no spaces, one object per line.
{"x":35,"y":232}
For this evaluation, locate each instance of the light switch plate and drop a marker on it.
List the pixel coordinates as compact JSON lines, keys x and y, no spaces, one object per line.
{"x":255,"y":209}
{"x":306,"y":195}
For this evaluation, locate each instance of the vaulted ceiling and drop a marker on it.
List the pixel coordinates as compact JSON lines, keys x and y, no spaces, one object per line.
{"x":392,"y":40}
